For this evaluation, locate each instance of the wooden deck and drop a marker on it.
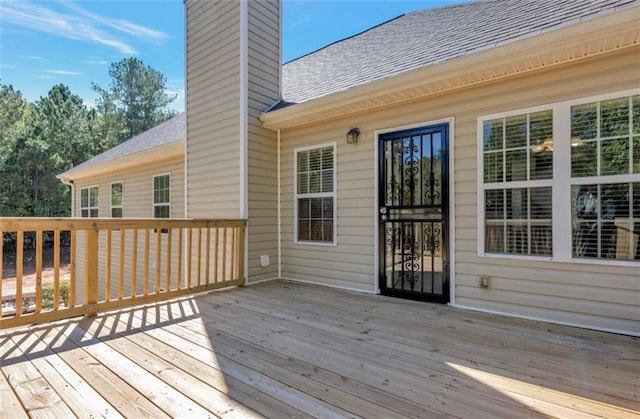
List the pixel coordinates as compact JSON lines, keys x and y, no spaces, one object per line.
{"x":291,"y":350}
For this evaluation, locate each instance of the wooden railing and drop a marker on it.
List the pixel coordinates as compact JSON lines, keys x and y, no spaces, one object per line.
{"x":111,"y":263}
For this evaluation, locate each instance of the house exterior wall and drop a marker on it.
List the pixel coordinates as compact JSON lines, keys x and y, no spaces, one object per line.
{"x":137,"y":203}
{"x":213,"y":107}
{"x":233,"y":75}
{"x":263,"y":90}
{"x":598,"y":295}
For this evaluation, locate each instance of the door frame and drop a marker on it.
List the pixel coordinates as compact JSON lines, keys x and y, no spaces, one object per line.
{"x":452,"y":208}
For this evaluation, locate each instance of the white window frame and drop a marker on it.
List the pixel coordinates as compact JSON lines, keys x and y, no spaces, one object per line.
{"x":121,"y":206}
{"x":89,"y":207}
{"x":561,"y":182}
{"x":153,"y":197}
{"x":333,"y":194}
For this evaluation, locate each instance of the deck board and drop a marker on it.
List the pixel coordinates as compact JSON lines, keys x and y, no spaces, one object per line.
{"x":284,"y":349}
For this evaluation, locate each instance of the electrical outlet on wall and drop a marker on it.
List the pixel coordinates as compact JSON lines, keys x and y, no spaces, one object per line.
{"x":484,"y":281}
{"x":264,"y":261}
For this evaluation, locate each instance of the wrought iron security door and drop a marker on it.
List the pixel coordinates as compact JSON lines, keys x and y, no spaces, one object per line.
{"x":414,"y":190}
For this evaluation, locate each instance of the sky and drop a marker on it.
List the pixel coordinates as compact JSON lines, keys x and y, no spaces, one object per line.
{"x":73,"y":42}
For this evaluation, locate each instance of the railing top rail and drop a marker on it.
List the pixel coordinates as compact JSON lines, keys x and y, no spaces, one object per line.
{"x":13,"y":224}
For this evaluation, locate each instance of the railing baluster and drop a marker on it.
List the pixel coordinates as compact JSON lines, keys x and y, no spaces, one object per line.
{"x":38,"y":271}
{"x":1,"y":268}
{"x":146,"y":261}
{"x":19,"y":257}
{"x":158,"y":256}
{"x":208,"y":255}
{"x":134,"y":263}
{"x":169,"y":259}
{"x":199,"y":255}
{"x":56,"y":269}
{"x":107,"y":284}
{"x":224,"y":254}
{"x":240,"y":252}
{"x":180,"y":238}
{"x":72,"y":269}
{"x":217,"y":255}
{"x":189,"y":246}
{"x":91,"y":270}
{"x":121,"y":267}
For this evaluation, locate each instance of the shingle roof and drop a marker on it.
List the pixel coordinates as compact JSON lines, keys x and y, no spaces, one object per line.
{"x":175,"y":129}
{"x":428,"y":37}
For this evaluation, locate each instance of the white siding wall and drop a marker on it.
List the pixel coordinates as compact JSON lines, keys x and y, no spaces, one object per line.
{"x":213,"y":109}
{"x":263,"y":83}
{"x":600,"y":296}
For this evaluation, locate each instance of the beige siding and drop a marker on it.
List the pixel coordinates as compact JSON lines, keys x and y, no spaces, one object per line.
{"x":600,"y":296}
{"x":137,"y":203}
{"x":263,"y":83}
{"x":213,"y":109}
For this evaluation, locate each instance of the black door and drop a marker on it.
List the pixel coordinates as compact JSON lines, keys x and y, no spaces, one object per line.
{"x":414,"y":192}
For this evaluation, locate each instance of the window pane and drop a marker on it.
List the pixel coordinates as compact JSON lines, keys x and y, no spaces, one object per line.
{"x":516,"y":165}
{"x":636,"y":154}
{"x":541,"y":127}
{"x":93,"y":212}
{"x":316,"y":208}
{"x":615,"y":157}
{"x":116,"y":212}
{"x":327,"y":208}
{"x":636,"y":114}
{"x":541,"y":165}
{"x":84,"y":213}
{"x":314,"y":159}
{"x":614,"y":117}
{"x":584,"y":121}
{"x":493,"y":166}
{"x":314,"y":182}
{"x":327,"y":180}
{"x":494,"y":204}
{"x":327,"y":158}
{"x":604,"y":221}
{"x":84,"y":197}
{"x":516,"y":131}
{"x":493,"y":135}
{"x":303,"y":183}
{"x":116,"y":194}
{"x":304,"y":230}
{"x":517,"y":204}
{"x":93,"y":197}
{"x":584,"y":159}
{"x":161,"y":211}
{"x":316,"y":230}
{"x":303,"y":161}
{"x":304,"y":208}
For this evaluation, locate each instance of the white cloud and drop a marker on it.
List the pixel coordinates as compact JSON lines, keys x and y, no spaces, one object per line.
{"x":96,"y":62}
{"x":63,"y":72}
{"x":80,"y":24}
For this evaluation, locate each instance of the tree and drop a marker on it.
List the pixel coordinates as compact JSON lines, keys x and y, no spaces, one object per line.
{"x":135,"y":101}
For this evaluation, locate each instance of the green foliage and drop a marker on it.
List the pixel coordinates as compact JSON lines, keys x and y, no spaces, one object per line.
{"x":48,"y":294}
{"x":135,"y":101}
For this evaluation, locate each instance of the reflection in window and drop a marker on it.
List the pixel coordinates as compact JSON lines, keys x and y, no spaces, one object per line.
{"x":605,"y":212}
{"x":606,"y":220}
{"x":518,"y":149}
{"x":116,"y":200}
{"x":162,"y":196}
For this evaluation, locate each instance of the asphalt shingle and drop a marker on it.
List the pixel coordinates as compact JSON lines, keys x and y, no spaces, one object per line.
{"x":427,"y":37}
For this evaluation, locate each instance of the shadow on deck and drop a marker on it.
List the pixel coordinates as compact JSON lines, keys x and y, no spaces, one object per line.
{"x":284,"y":349}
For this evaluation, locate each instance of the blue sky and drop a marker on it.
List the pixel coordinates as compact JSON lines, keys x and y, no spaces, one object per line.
{"x":46,"y":42}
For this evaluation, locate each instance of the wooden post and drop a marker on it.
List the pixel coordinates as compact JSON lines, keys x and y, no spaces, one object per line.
{"x":240,"y":252}
{"x":91,"y":270}
{"x":38,"y":271}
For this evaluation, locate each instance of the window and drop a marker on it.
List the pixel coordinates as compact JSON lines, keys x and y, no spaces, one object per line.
{"x":162,"y":196}
{"x":315,"y":194}
{"x":518,"y":166}
{"x":89,"y":202}
{"x":605,"y":178}
{"x":116,"y":200}
{"x":563,"y":180}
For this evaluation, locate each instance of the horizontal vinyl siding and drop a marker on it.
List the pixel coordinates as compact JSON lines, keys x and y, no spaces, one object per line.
{"x":213,"y":100}
{"x":594,"y":295}
{"x":137,"y":187}
{"x":263,"y":78}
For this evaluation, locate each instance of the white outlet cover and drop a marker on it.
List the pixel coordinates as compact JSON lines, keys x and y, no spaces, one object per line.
{"x":264,"y":261}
